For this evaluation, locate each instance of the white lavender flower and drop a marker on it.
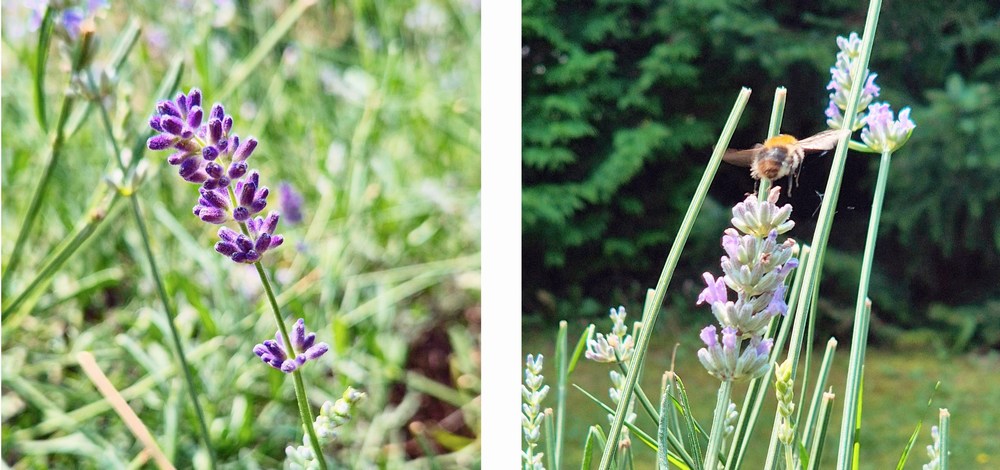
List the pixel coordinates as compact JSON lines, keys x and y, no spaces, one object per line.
{"x":334,"y":415}
{"x":533,"y":392}
{"x":883,"y":134}
{"x":934,"y":451}
{"x":725,"y":361}
{"x":842,"y":79}
{"x":616,"y":346}
{"x":615,"y":392}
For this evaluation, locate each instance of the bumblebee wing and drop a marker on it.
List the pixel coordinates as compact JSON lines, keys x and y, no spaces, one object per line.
{"x":740,"y":157}
{"x":825,"y":140}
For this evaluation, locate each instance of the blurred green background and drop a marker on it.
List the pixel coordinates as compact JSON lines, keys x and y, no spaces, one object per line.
{"x":370,"y":109}
{"x":623,"y":101}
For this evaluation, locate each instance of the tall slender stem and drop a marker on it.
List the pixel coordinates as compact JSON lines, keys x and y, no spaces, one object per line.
{"x":649,"y":317}
{"x":859,"y":340}
{"x":300,"y":389}
{"x":718,"y":425}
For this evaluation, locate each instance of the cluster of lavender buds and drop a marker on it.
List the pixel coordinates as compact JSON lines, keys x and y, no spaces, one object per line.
{"x":843,"y":73}
{"x":533,"y":392}
{"x":332,"y":416}
{"x":304,"y":348}
{"x":784,"y":388}
{"x":615,"y":392}
{"x":755,"y":267}
{"x":208,"y":153}
{"x":883,"y":133}
{"x":616,"y":346}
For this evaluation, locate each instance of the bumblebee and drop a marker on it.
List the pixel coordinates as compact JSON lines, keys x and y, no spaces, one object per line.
{"x":782,"y":155}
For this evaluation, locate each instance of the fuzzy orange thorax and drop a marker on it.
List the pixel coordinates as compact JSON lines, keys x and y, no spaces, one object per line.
{"x":781,"y":139}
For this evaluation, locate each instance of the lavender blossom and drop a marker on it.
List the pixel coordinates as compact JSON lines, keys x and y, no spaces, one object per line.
{"x":304,"y":348}
{"x":68,"y":16}
{"x":616,"y":346}
{"x":207,"y":152}
{"x":533,"y":391}
{"x":842,"y":80}
{"x":883,"y":134}
{"x":291,"y":203}
{"x":724,"y":359}
{"x":755,"y":266}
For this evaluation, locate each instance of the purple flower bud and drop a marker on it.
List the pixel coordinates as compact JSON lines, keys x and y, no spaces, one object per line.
{"x":218,"y":112}
{"x":258,"y":205}
{"x":210,"y":184}
{"x":225,"y":248}
{"x":154,"y":122}
{"x":160,"y":142}
{"x":194,"y":118}
{"x":224,"y":181}
{"x":246,"y":189}
{"x":298,"y":333}
{"x":213,"y":169}
{"x":227,"y":124}
{"x":276,"y":241}
{"x":270,"y":223}
{"x":178,"y":158}
{"x":190,"y":170}
{"x":241,"y":214}
{"x":729,"y":337}
{"x":209,"y":153}
{"x":194,"y":97}
{"x":709,"y":336}
{"x":263,"y":243}
{"x":245,"y":150}
{"x":288,"y":367}
{"x":291,"y":203}
{"x":168,"y":108}
{"x":228,"y":234}
{"x":252,"y":257}
{"x":715,"y":292}
{"x":212,"y":215}
{"x":244,"y":243}
{"x":214,"y":199}
{"x":187,"y":145}
{"x":182,"y":104}
{"x":316,"y":351}
{"x":214,"y":131}
{"x":239,"y":257}
{"x":237,"y":169}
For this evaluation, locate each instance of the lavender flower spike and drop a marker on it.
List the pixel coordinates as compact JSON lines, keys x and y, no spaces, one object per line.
{"x":884,"y":134}
{"x":842,"y":80}
{"x":304,"y":348}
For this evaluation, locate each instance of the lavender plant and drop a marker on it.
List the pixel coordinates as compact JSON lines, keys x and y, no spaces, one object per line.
{"x":209,"y":153}
{"x":767,"y":317}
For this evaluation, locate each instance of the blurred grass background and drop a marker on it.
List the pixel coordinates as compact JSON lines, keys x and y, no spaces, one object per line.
{"x":370,"y":109}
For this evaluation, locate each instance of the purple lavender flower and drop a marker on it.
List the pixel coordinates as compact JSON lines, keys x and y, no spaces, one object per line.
{"x":291,"y":203}
{"x":304,"y":348}
{"x":883,"y":134}
{"x":207,"y":152}
{"x":724,"y":359}
{"x":841,"y":82}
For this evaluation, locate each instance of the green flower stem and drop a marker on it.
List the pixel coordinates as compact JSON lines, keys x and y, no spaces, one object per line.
{"x":773,"y":129}
{"x":944,"y":418}
{"x":718,"y":425}
{"x":859,"y":338}
{"x":300,"y":389}
{"x":668,"y":270}
{"x":42,"y":58}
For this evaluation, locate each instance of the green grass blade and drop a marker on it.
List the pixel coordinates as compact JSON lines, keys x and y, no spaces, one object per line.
{"x":41,"y":60}
{"x":581,"y":346}
{"x":562,"y":377}
{"x":668,"y":270}
{"x":666,"y":414}
{"x":916,"y":431}
{"x":944,"y":420}
{"x":594,"y":436}
{"x":818,"y":439}
{"x":806,"y":431}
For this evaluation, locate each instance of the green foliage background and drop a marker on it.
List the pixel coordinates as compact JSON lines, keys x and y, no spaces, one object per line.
{"x":623,"y":100}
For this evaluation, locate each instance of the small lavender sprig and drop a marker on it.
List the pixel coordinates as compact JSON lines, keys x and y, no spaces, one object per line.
{"x":841,"y":83}
{"x":884,"y":134}
{"x":208,"y":154}
{"x":532,"y":392}
{"x":934,"y":450}
{"x":616,"y":346}
{"x":304,"y":348}
{"x":332,"y":416}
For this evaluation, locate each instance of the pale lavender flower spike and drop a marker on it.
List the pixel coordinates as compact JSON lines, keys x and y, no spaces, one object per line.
{"x":304,"y":348}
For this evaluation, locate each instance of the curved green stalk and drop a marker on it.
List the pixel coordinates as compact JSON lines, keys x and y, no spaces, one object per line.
{"x":859,"y":337}
{"x":668,"y":270}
